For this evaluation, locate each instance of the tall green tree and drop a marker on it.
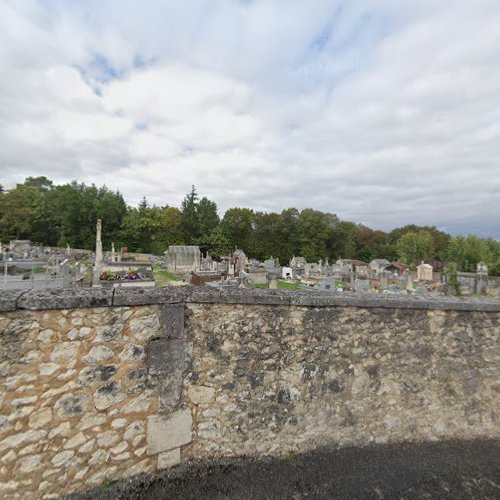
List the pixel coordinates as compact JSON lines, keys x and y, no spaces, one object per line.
{"x":440,"y":239}
{"x":415,"y":246}
{"x":468,"y":251}
{"x":371,"y":244}
{"x":28,"y":212}
{"x":342,"y":240}
{"x":80,"y":206}
{"x":218,"y":244}
{"x":266,"y":239}
{"x":288,"y":236}
{"x":237,"y":225}
{"x":190,"y":219}
{"x":208,"y":218}
{"x":316,"y":230}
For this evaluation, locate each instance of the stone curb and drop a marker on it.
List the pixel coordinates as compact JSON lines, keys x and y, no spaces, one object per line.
{"x":98,"y":297}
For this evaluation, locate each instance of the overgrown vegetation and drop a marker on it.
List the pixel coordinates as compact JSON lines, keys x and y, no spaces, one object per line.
{"x":58,"y":215}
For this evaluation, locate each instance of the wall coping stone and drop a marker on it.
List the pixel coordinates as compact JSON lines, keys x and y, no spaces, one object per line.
{"x":8,"y":299}
{"x":65,"y":299}
{"x":12,"y":300}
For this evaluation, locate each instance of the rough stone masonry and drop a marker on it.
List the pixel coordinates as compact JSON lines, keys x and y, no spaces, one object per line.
{"x":103,"y":384}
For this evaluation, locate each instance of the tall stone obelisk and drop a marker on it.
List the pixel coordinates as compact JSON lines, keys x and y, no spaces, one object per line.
{"x":98,"y":243}
{"x":98,"y":253}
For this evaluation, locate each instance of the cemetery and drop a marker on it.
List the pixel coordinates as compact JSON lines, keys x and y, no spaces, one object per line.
{"x":26,"y":266}
{"x":133,"y":377}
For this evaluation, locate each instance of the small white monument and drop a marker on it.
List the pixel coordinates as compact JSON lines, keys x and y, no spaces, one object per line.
{"x":424,"y":272}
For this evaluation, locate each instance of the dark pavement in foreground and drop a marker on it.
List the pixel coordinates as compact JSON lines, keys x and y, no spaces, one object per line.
{"x":454,"y":470}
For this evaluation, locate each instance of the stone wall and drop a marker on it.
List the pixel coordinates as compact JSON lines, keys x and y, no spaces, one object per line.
{"x":270,"y":380}
{"x":102,"y":384}
{"x":75,"y":397}
{"x":494,"y":286}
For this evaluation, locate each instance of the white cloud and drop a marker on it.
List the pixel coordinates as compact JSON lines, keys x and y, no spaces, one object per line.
{"x":385,"y":114}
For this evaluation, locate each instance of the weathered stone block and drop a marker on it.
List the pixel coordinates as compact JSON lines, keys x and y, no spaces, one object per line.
{"x":132,"y":352}
{"x":62,"y":458}
{"x":199,"y":394}
{"x":98,"y":353}
{"x":8,"y":300}
{"x":63,"y":429}
{"x":172,"y":319}
{"x":169,"y":458}
{"x":135,"y":429}
{"x":65,"y":299}
{"x":75,"y":441}
{"x":170,"y":359}
{"x":29,"y":464}
{"x":48,"y":368}
{"x":119,"y":423}
{"x":168,"y":432}
{"x":108,"y":333}
{"x":145,"y":327}
{"x":16,"y":440}
{"x":170,"y":389}
{"x":169,"y":356}
{"x":87,"y":447}
{"x":107,"y":439}
{"x":108,"y":394}
{"x":71,"y":405}
{"x":140,"y":296}
{"x":100,"y":373}
{"x":40,"y":418}
{"x":139,"y":404}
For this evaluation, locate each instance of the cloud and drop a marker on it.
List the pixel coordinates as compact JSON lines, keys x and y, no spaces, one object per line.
{"x":385,"y":114}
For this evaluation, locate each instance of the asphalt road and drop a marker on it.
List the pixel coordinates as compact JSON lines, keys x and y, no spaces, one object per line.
{"x":449,"y":470}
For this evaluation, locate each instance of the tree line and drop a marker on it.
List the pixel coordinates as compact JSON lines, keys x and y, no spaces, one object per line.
{"x":66,"y":214}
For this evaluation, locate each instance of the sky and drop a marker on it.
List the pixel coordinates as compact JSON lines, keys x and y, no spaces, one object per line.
{"x":384,"y":112}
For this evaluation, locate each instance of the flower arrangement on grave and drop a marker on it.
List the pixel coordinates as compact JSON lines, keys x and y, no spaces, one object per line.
{"x":109,"y":276}
{"x":132,"y":275}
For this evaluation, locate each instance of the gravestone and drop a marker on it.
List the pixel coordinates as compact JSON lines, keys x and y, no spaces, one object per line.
{"x":361,"y":285}
{"x":269,"y":263}
{"x":408,"y":281}
{"x":383,"y":280}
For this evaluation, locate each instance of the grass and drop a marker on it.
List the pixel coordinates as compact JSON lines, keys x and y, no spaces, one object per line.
{"x":288,"y":285}
{"x":282,"y":285}
{"x":163,"y":278}
{"x":481,"y":296}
